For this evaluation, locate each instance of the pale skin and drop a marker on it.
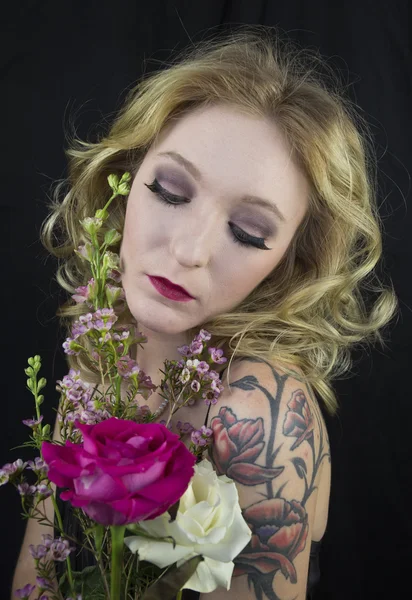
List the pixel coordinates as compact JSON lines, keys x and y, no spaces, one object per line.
{"x":235,"y":156}
{"x":192,"y":244}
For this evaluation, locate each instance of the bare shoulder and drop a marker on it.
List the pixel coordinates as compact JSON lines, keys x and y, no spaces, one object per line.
{"x":271,"y":439}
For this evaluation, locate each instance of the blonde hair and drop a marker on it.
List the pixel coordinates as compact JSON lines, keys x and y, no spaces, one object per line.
{"x":309,"y":312}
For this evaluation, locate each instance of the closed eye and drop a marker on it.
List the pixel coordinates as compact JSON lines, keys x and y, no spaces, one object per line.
{"x":241,"y":237}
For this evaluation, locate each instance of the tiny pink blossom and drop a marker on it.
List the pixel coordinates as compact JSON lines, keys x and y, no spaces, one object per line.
{"x":82,"y":294}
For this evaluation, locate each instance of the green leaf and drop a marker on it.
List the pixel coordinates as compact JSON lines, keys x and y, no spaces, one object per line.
{"x":87,"y":582}
{"x":167,"y":586}
{"x":300,"y":466}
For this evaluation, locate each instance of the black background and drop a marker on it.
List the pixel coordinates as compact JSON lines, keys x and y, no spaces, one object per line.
{"x":65,"y":60}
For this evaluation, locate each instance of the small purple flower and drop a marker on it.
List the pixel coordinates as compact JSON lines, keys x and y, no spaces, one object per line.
{"x":44,"y":490}
{"x":185,"y":427}
{"x":26,"y":490}
{"x":163,"y":422}
{"x":202,"y":367}
{"x":196,"y":347}
{"x":60,"y":549}
{"x":38,"y":465}
{"x":16,"y":467}
{"x":210,"y":397}
{"x":25,"y":591}
{"x":38,"y":551}
{"x":202,"y":436}
{"x":217,"y":355}
{"x":70,"y":346}
{"x":44,"y":597}
{"x":104,"y":319}
{"x":43,"y":583}
{"x":33,"y":422}
{"x":47,"y":539}
{"x":126,"y":366}
{"x":184,"y":350}
{"x":143,"y":411}
{"x":203,"y":336}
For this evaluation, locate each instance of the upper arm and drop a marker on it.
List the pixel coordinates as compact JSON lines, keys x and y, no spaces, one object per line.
{"x":269,"y":437}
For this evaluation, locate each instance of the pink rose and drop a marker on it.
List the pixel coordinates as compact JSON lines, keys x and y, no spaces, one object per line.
{"x":123,"y":471}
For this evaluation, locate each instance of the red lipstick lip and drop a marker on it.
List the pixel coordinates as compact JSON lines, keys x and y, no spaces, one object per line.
{"x":172,"y":285}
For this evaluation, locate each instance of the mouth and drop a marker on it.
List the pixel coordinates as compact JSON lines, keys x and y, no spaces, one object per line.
{"x":169,"y":289}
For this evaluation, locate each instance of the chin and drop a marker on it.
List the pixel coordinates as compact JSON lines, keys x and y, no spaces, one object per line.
{"x":159,"y":319}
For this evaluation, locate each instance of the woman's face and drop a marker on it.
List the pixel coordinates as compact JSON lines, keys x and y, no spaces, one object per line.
{"x":234,"y":158}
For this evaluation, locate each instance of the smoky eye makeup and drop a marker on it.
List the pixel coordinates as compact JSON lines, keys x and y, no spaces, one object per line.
{"x":174,"y":181}
{"x":176,"y":184}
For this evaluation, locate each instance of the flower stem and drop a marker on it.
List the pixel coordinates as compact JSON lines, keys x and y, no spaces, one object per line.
{"x":68,"y":564}
{"x":118,"y":392}
{"x":179,"y":595}
{"x":117,"y":533}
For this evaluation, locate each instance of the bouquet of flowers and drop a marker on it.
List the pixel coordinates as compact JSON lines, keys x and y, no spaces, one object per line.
{"x":153,"y":512}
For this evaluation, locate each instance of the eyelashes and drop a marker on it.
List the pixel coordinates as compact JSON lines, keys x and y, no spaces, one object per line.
{"x":241,"y":237}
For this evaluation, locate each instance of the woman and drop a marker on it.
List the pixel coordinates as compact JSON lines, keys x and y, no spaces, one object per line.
{"x":273,"y":232}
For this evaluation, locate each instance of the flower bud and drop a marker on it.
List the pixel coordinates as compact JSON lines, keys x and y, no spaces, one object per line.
{"x":41,"y":384}
{"x":29,"y":371}
{"x":40,"y":400}
{"x":111,"y":259}
{"x":85,"y":251}
{"x":126,"y":177}
{"x":45,"y":430}
{"x":113,"y":180}
{"x":123,"y":189}
{"x":91,"y":224}
{"x":112,"y":293}
{"x":30,"y":384}
{"x":112,"y":237}
{"x":101,"y":214}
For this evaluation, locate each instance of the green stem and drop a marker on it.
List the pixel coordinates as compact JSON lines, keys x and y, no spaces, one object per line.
{"x":117,"y":533}
{"x":68,"y":564}
{"x":118,"y":392}
{"x":179,"y":595}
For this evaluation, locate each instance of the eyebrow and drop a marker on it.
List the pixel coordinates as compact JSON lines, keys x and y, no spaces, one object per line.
{"x":194,"y":171}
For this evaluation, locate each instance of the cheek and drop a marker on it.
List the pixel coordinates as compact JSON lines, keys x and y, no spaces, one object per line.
{"x":239,"y":274}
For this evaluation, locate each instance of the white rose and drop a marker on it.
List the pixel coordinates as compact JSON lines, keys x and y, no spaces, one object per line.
{"x":209,"y":522}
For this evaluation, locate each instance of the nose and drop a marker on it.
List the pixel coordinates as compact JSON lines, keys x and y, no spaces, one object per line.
{"x":195,"y":240}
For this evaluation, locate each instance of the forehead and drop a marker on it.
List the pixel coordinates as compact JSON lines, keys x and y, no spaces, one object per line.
{"x":236,"y":153}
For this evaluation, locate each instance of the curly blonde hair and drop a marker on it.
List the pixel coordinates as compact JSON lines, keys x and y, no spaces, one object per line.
{"x":309,"y":311}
